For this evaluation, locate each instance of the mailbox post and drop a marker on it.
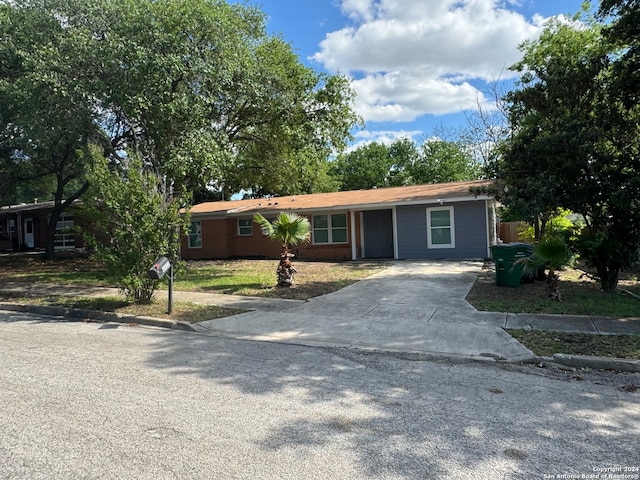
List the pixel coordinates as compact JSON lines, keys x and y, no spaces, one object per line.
{"x":159,"y":270}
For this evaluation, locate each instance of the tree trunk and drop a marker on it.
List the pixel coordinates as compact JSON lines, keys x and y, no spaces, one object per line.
{"x":608,"y":278}
{"x":50,"y":238}
{"x":285,"y":271}
{"x":59,"y":207}
{"x":553,"y":286}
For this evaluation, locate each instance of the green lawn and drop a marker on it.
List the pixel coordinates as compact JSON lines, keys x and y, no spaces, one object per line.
{"x":550,"y":343}
{"x":581,"y":295}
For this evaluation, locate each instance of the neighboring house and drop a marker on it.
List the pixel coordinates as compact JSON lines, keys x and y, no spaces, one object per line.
{"x":416,"y":222}
{"x":24,"y":227}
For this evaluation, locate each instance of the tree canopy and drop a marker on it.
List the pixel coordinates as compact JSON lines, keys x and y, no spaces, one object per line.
{"x":373,"y":165}
{"x":623,"y":31}
{"x":574,"y":142}
{"x":196,"y":89}
{"x":404,"y":162}
{"x":441,"y":161}
{"x":205,"y":94}
{"x":46,"y":123}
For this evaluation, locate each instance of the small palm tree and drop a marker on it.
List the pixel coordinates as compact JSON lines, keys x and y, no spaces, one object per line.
{"x":290,"y":229}
{"x":551,"y":251}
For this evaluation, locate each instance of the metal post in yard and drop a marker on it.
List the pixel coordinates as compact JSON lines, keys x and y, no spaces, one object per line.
{"x":170,"y":302}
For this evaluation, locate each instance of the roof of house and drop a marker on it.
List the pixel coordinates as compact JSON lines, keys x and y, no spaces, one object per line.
{"x":355,"y":199}
{"x":27,"y":207}
{"x":30,"y":207}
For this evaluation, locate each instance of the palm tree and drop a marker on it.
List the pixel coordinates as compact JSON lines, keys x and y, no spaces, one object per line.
{"x":551,"y":251}
{"x":290,"y":229}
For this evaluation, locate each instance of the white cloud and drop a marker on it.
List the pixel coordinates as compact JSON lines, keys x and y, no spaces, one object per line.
{"x":408,"y":58}
{"x":386,"y":137}
{"x":404,"y":96}
{"x":358,"y":10}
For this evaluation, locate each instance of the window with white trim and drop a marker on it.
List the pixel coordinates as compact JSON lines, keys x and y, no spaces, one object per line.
{"x":330,"y":228}
{"x":195,"y":235}
{"x":65,"y":235}
{"x":11,"y":226}
{"x":245,"y":227}
{"x":440,"y":228}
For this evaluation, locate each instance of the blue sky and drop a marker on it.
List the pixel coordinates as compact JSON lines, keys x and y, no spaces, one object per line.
{"x":415,"y":65}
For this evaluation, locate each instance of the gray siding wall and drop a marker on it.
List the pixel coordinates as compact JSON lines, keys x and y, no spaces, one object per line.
{"x":470,"y":221}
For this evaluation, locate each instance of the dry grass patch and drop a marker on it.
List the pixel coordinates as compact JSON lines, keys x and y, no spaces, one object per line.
{"x":238,"y":277}
{"x":182,"y":311}
{"x":66,"y":269}
{"x":258,"y":277}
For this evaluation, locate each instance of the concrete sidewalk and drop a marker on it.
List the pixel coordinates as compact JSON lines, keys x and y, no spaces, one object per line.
{"x":412,"y":306}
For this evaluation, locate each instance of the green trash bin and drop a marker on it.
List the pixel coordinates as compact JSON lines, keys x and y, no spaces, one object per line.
{"x":508,"y":272}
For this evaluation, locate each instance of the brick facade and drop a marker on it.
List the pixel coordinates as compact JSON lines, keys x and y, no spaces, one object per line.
{"x":221,"y":239}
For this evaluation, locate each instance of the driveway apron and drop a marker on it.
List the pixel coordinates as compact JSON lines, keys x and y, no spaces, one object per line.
{"x":412,"y":306}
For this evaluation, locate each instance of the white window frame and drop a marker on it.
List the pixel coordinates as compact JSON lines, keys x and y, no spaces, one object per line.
{"x":192,"y":236}
{"x":330,"y":229}
{"x":451,"y":227}
{"x":240,"y":227}
{"x":11,"y":226}
{"x":64,"y":236}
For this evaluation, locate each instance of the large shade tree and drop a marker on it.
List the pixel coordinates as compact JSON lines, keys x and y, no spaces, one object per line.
{"x":195,"y":89}
{"x":574,"y":142}
{"x":200,"y":89}
{"x":623,"y":31}
{"x":47,"y":125}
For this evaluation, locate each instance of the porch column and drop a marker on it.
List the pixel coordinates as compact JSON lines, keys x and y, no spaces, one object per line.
{"x":394,"y":223}
{"x":19,"y":227}
{"x":354,"y":250}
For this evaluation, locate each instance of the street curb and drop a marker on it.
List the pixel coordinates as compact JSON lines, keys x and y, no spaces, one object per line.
{"x":99,"y":316}
{"x":597,"y":363}
{"x":575,"y":361}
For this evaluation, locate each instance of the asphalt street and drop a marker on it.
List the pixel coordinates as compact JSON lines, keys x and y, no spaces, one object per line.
{"x":103,"y":401}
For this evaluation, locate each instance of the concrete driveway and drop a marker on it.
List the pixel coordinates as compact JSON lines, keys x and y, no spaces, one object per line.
{"x":412,"y":306}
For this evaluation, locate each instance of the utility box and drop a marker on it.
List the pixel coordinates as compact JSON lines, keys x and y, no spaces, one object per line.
{"x":505,"y":256}
{"x":160,"y":268}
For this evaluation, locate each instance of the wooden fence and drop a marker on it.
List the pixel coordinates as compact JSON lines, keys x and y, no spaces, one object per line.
{"x":509,"y":231}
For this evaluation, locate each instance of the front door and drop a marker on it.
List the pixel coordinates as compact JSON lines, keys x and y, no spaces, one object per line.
{"x":28,"y":233}
{"x":378,"y":234}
